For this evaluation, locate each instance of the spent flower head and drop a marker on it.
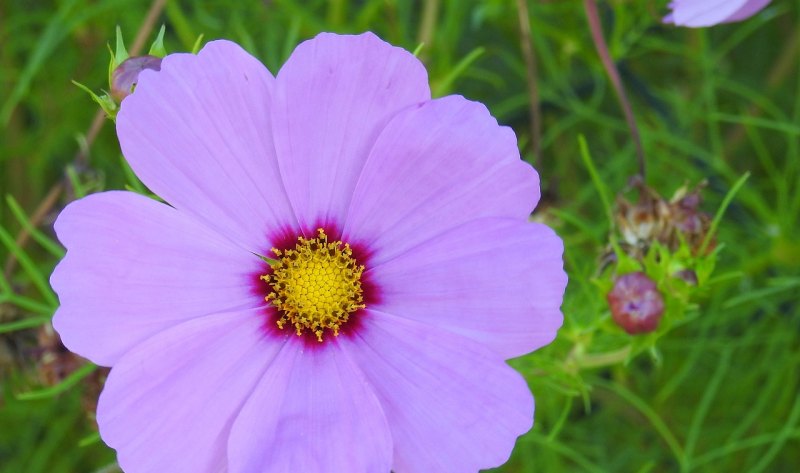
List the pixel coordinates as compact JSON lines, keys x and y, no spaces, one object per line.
{"x":652,"y":218}
{"x":660,"y":257}
{"x":338,"y":275}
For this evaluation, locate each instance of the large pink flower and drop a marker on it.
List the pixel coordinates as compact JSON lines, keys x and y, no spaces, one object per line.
{"x":341,"y":270}
{"x":698,"y":13}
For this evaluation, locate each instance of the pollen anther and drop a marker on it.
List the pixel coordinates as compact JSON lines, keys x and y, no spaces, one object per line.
{"x":316,"y":286}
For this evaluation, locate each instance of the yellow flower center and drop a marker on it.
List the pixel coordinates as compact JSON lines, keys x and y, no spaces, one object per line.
{"x":316,"y":285}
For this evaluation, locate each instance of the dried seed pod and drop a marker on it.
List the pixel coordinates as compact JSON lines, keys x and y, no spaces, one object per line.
{"x":687,"y":218}
{"x":654,"y":219}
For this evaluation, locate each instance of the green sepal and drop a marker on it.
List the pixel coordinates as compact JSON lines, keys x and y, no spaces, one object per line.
{"x":197,"y":44}
{"x":157,"y":48}
{"x":121,"y":53}
{"x":118,"y":56}
{"x":105,"y":101}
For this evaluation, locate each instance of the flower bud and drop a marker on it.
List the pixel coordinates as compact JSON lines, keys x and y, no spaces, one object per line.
{"x":636,"y":304}
{"x":125,"y":76}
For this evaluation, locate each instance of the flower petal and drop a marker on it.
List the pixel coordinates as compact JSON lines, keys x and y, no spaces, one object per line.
{"x":749,"y":9}
{"x":697,"y":13}
{"x":198,"y":134}
{"x":434,"y":167}
{"x":169,"y":404}
{"x":135,"y":267}
{"x":332,"y":98}
{"x":312,"y":412}
{"x":453,"y":405}
{"x":497,"y":281}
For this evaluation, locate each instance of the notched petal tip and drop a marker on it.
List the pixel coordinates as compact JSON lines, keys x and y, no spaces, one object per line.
{"x":134,"y":267}
{"x":333,"y":97}
{"x":469,"y":407}
{"x":459,"y":111}
{"x":199,"y":128}
{"x":367,"y":40}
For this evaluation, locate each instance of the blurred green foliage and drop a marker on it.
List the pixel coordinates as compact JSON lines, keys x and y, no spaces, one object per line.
{"x":719,"y":393}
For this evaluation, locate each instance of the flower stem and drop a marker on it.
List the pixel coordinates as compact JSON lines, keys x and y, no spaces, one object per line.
{"x":600,"y":360}
{"x":596,"y":28}
{"x":526,"y":41}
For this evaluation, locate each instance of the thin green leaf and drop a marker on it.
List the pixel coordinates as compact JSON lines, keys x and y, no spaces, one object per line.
{"x":443,"y":86}
{"x":36,"y":277}
{"x":23,"y":324}
{"x":721,"y":211}
{"x":46,"y":242}
{"x":599,"y":185}
{"x":74,"y":378}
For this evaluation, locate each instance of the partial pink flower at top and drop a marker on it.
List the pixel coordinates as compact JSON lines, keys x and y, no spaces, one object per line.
{"x":341,"y":270}
{"x":699,"y":13}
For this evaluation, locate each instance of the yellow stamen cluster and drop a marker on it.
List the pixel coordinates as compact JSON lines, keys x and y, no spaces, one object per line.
{"x":316,"y":285}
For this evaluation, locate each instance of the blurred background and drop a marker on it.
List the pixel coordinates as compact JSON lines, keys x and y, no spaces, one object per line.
{"x":714,"y":389}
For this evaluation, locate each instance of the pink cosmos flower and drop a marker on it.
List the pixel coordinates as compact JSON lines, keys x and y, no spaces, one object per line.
{"x":698,"y":13}
{"x":341,"y":270}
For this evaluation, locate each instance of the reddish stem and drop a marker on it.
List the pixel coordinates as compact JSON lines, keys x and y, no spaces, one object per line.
{"x":611,"y":69}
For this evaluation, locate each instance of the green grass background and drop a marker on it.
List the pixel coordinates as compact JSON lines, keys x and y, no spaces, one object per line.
{"x":722,"y":393}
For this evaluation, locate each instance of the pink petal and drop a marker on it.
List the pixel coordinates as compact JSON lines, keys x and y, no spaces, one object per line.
{"x":452,"y":405}
{"x":749,"y":9}
{"x":497,"y":281}
{"x":135,"y":267}
{"x":198,"y":134}
{"x":703,"y":12}
{"x":169,"y":404}
{"x":436,"y":166}
{"x":699,"y":13}
{"x":332,"y":98}
{"x":313,"y":412}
